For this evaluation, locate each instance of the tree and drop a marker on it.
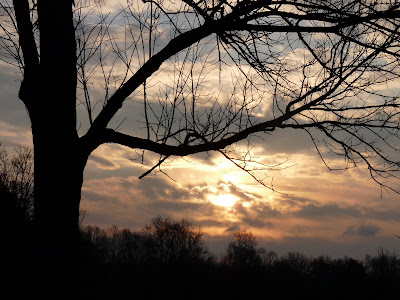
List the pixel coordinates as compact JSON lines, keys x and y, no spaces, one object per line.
{"x":383,"y":266}
{"x":243,"y":250}
{"x":174,"y":242}
{"x":319,"y":66}
{"x":16,"y":179}
{"x":16,"y":200}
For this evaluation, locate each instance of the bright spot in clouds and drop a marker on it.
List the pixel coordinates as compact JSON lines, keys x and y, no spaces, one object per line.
{"x":225,"y":200}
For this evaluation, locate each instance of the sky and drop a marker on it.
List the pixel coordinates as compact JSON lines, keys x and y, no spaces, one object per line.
{"x":312,"y":209}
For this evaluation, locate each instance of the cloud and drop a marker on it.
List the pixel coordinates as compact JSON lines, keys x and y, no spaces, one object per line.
{"x":242,"y":194}
{"x":362,"y":230}
{"x":102,"y":162}
{"x":281,"y":222}
{"x":383,"y":213}
{"x":12,"y":135}
{"x":12,"y":108}
{"x":233,"y":228}
{"x":289,"y":141}
{"x":312,"y":210}
{"x":15,"y":126}
{"x":136,"y":201}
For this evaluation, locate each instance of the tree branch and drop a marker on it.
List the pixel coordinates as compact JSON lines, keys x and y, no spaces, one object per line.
{"x":29,"y":51}
{"x":152,"y":65}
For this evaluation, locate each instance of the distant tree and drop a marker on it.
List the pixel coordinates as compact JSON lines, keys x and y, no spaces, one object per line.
{"x":170,"y":242}
{"x":269,"y":258}
{"x":13,"y":218}
{"x":97,"y":239}
{"x":132,"y":248}
{"x":384,"y":266}
{"x":16,"y":176}
{"x":83,"y":214}
{"x":114,"y":242}
{"x":16,"y":208}
{"x":125,"y":247}
{"x":243,"y":250}
{"x":296,"y":262}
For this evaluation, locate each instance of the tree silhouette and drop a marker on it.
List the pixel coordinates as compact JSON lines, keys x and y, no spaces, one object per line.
{"x":16,"y":207}
{"x":162,"y":241}
{"x":16,"y":176}
{"x":319,"y":66}
{"x":174,"y":242}
{"x":243,"y":250}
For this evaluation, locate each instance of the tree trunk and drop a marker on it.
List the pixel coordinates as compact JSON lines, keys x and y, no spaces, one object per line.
{"x":60,"y":157}
{"x":58,"y":181}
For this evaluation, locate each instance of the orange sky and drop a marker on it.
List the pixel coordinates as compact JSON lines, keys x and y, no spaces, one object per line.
{"x":313,"y":210}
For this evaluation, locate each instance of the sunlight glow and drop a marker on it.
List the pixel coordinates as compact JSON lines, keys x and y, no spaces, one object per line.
{"x":225,"y":200}
{"x":231,"y":178}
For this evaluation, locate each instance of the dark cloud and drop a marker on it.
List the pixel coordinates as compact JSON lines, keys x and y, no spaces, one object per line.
{"x":300,"y":229}
{"x":385,"y":214}
{"x":204,"y":158}
{"x":233,"y":228}
{"x":293,"y":201}
{"x":362,"y":230}
{"x":102,"y":162}
{"x":312,"y":210}
{"x":258,"y":223}
{"x":259,"y":214}
{"x":155,"y":187}
{"x":12,"y":109}
{"x":286,"y":140}
{"x":240,"y":193}
{"x":91,"y":195}
{"x":11,"y":143}
{"x":211,"y":222}
{"x":184,"y":207}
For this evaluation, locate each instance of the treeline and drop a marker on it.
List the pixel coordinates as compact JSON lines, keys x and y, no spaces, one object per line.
{"x":169,"y":257}
{"x":163,"y":241}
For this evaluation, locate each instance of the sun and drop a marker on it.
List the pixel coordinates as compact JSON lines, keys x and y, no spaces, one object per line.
{"x":226,"y":200}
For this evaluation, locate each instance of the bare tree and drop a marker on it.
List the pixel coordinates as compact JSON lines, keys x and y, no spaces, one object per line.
{"x":325,"y":67}
{"x":16,"y":202}
{"x":16,"y":175}
{"x":172,"y":242}
{"x":243,"y":250}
